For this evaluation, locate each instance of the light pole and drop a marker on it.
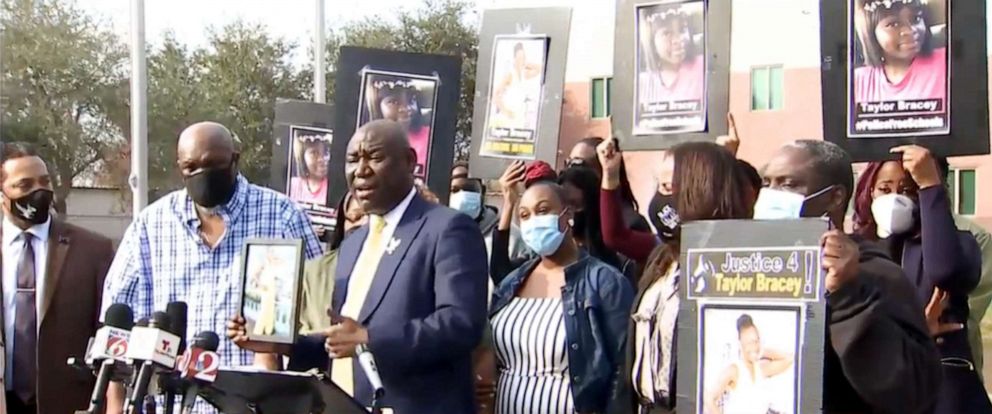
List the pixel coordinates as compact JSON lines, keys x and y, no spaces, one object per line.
{"x":139,"y":110}
{"x":319,"y":80}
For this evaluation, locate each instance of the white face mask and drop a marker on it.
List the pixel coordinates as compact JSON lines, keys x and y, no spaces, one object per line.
{"x":894,"y":214}
{"x":775,"y":204}
{"x":467,"y":202}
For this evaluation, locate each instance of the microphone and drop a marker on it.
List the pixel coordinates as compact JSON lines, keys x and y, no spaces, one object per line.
{"x":367,"y":361}
{"x":152,"y":348}
{"x":108,"y":347}
{"x":198,"y":365}
{"x":177,"y":314}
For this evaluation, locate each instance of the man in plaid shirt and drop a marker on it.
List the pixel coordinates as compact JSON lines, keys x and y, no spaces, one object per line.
{"x":186,"y":246}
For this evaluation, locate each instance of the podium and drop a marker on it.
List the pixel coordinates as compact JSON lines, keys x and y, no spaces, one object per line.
{"x":266,"y":392}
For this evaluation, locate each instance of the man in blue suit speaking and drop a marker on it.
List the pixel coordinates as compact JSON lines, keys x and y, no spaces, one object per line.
{"x":411,"y":286}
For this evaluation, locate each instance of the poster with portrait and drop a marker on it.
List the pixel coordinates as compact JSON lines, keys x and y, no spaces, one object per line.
{"x":405,"y":98}
{"x":911,"y":71}
{"x":271,"y":274}
{"x":308,"y":175}
{"x":670,"y":77}
{"x":898,"y":76}
{"x":310,"y":154}
{"x":752,"y":317}
{"x":675,"y":57}
{"x":303,"y":136}
{"x":418,"y":91}
{"x":516,"y":86}
{"x":519,"y":87}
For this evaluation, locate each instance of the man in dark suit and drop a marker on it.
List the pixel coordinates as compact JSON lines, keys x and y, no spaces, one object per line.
{"x":52,"y":282}
{"x":411,"y":285}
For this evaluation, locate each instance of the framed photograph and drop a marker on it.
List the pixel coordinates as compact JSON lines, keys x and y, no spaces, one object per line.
{"x":405,"y":98}
{"x":308,"y":163}
{"x":899,"y":72}
{"x":515,"y":96}
{"x":748,"y":359}
{"x":419,"y":91}
{"x":898,"y":68}
{"x":670,"y":68}
{"x":271,"y":272}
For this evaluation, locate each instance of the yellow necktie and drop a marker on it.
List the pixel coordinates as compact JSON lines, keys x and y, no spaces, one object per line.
{"x":358,"y":288}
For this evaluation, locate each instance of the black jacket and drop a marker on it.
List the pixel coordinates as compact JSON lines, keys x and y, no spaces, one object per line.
{"x":880,"y":357}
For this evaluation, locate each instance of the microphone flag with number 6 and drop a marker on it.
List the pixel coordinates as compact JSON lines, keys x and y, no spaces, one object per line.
{"x":111,"y":340}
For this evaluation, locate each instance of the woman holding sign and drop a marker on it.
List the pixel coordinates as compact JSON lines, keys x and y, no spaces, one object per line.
{"x":904,"y":204}
{"x":699,"y":168}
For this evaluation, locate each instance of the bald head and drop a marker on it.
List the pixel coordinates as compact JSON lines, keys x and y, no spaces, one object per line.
{"x":389,"y":133}
{"x":206,"y":151}
{"x":380,"y":165}
{"x":209,"y":135}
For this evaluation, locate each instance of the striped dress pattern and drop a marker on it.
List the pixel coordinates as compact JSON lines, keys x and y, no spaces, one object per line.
{"x":529,"y":335}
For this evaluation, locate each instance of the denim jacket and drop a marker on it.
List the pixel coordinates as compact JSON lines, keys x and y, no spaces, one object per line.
{"x":596,"y":300}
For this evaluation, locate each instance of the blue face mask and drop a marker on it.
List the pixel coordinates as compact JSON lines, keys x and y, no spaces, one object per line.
{"x":467,"y":202}
{"x":541,"y":234}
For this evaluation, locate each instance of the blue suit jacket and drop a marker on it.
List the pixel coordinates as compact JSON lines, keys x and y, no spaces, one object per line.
{"x":425,"y":312}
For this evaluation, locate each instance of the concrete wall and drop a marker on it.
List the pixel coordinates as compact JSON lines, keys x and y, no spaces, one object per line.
{"x":99,"y":210}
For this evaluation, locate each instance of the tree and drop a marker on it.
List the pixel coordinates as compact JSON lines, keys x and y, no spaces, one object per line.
{"x":244,"y":70}
{"x":437,"y":27}
{"x":234,"y":80}
{"x":61,"y":73}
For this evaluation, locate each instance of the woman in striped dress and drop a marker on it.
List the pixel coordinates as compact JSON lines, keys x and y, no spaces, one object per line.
{"x":558,"y":321}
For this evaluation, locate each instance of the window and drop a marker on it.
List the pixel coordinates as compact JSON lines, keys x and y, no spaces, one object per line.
{"x":961,"y":186}
{"x":766,"y":88}
{"x":600,"y":97}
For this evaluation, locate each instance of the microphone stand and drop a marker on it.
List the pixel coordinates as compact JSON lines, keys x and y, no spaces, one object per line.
{"x":170,"y":385}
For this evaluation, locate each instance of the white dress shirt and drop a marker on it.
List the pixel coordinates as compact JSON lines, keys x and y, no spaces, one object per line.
{"x":13,"y":248}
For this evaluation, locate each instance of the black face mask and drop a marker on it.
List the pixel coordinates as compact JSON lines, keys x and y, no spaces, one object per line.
{"x":210,"y":188}
{"x":34,"y":207}
{"x":663,"y":217}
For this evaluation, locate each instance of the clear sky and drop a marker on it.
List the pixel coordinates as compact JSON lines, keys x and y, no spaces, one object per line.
{"x":291,"y":19}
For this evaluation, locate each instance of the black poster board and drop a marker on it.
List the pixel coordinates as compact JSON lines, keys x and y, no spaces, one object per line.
{"x":654,"y":107}
{"x":304,"y":133}
{"x":751,"y":291}
{"x":942,"y":101}
{"x":518,"y":106}
{"x":429,"y":87}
